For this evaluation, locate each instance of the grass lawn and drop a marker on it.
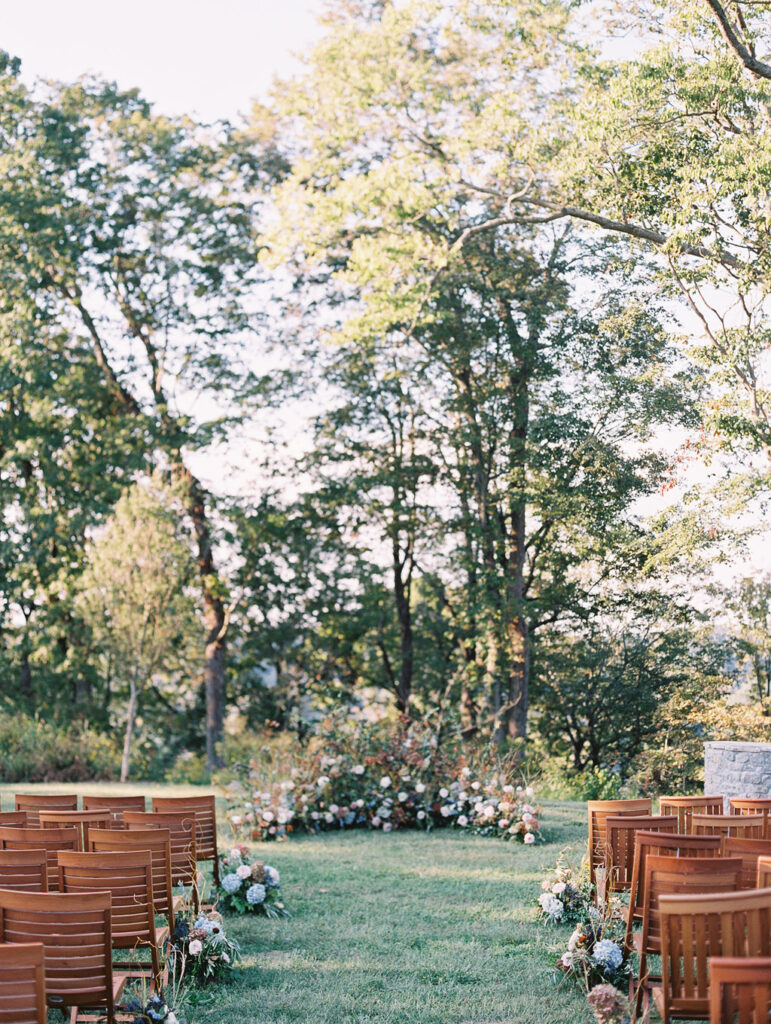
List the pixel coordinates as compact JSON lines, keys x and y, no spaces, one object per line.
{"x":406,"y":928}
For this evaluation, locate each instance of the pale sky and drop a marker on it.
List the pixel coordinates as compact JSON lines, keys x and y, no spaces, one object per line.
{"x":209,"y":57}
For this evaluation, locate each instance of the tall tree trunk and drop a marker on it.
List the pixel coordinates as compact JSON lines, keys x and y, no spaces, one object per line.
{"x":132,"y":713}
{"x":404,"y":616}
{"x":216,"y":621}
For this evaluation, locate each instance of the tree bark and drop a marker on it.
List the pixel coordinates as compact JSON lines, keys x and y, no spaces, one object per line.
{"x":404,"y":616}
{"x":132,"y":711}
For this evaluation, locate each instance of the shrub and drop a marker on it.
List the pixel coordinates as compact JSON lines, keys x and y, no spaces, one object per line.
{"x":37,"y":751}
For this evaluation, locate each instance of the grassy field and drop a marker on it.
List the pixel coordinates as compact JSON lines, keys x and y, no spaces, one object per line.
{"x":406,"y":928}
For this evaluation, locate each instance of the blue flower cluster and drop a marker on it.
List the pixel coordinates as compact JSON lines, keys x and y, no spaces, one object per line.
{"x":607,"y":954}
{"x":272,"y":878}
{"x":231,"y":883}
{"x":255,"y":893}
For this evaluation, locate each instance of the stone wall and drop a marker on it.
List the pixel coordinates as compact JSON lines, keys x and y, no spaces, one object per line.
{"x":737,"y":769}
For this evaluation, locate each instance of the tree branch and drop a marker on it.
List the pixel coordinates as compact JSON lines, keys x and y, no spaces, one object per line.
{"x":748,"y":59}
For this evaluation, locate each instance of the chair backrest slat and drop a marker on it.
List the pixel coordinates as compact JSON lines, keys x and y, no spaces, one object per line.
{"x":26,"y":870}
{"x":75,"y":932}
{"x":116,"y":804}
{"x":81,"y":820}
{"x":764,"y":873}
{"x":752,"y":805}
{"x":695,"y":928}
{"x":50,"y":839}
{"x":156,"y":841}
{"x":598,"y":811}
{"x":16,"y":819}
{"x":686,"y":806}
{"x":33,"y":803}
{"x":740,"y":990}
{"x":182,"y":835}
{"x":22,"y":984}
{"x":740,"y":826}
{"x":204,"y":808}
{"x":749,"y":850}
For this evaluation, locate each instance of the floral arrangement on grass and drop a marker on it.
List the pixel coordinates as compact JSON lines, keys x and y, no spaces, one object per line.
{"x":609,"y":1006}
{"x":595,"y":953}
{"x":201,"y":953}
{"x":249,"y":887}
{"x":362,"y":778}
{"x":566,"y":896}
{"x":155,"y":1010}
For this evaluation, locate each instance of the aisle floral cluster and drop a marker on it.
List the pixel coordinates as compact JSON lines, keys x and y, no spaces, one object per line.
{"x":155,"y":1010}
{"x":566,"y":896}
{"x":249,"y":886}
{"x":387,"y":791}
{"x":201,"y":952}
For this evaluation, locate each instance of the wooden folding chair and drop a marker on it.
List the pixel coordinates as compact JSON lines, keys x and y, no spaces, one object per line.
{"x":620,"y":845}
{"x":33,"y":803}
{"x":764,"y":873}
{"x":205,"y":811}
{"x":739,"y":826}
{"x":15,"y":819}
{"x":598,"y":811}
{"x":752,"y":805}
{"x":662,"y":844}
{"x":24,"y":870}
{"x":156,"y":841}
{"x":182,"y":835}
{"x":696,"y":928}
{"x":116,"y":804}
{"x":128,"y":877}
{"x":49,"y":839}
{"x":75,"y":931}
{"x":22,"y":984}
{"x":666,"y":875}
{"x":82,"y":820}
{"x":749,"y":850}
{"x":686,"y":806}
{"x":739,"y":990}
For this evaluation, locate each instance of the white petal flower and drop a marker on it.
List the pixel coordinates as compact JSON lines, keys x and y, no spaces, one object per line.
{"x":195,"y":947}
{"x":420,"y":787}
{"x":385,"y":782}
{"x":444,"y":793}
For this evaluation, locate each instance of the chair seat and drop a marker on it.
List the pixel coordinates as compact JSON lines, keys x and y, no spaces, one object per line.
{"x":681,"y":1008}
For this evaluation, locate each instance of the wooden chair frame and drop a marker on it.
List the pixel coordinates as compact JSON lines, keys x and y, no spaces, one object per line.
{"x":75,"y":931}
{"x":696,"y":928}
{"x":81,"y":820}
{"x":22,"y":983}
{"x":182,"y":834}
{"x":116,"y":804}
{"x":764,"y":873}
{"x":24,"y":870}
{"x":620,"y":845}
{"x":739,"y":826}
{"x":749,"y":850}
{"x":684,"y":807}
{"x":157,"y":842}
{"x":205,"y":809}
{"x":50,"y":839}
{"x":750,"y":805}
{"x":598,"y":811}
{"x":752,"y":976}
{"x":33,"y":803}
{"x":14,"y":819}
{"x":662,"y":844}
{"x":128,"y":877}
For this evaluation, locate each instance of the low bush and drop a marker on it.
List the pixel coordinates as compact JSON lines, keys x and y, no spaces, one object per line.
{"x":37,"y":751}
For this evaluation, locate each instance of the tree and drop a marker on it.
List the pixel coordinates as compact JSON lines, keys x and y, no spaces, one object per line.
{"x":134,"y":593}
{"x":528,"y":403}
{"x":129,"y":237}
{"x":750,"y":610}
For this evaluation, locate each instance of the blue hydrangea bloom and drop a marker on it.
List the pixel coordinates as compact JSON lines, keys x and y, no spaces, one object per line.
{"x":272,"y":877}
{"x":255,"y":893}
{"x":231,"y":883}
{"x":204,"y":924}
{"x":608,"y":954}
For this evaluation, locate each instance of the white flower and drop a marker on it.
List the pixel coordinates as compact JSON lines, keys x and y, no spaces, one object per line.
{"x":235,"y":854}
{"x":236,"y":819}
{"x":421,"y":815}
{"x":530,"y":792}
{"x":489,"y":811}
{"x":359,"y":803}
{"x":444,"y":793}
{"x":475,"y":785}
{"x":445,"y":810}
{"x":195,"y":947}
{"x":503,"y":823}
{"x":172,"y":1018}
{"x":529,"y":838}
{"x":566,"y":959}
{"x":420,"y":787}
{"x":243,"y":871}
{"x":322,"y":780}
{"x":558,"y":887}
{"x":358,"y":769}
{"x":334,"y":809}
{"x":465,"y":772}
{"x":387,"y":826}
{"x":268,"y":816}
{"x":508,"y":788}
{"x":551,"y":906}
{"x":385,"y":782}
{"x":329,"y":818}
{"x":573,"y":940}
{"x":463,"y":795}
{"x":402,"y":796}
{"x":384,"y":812}
{"x":376,"y":822}
{"x":315,"y":815}
{"x":284,"y":816}
{"x":462,"y":820}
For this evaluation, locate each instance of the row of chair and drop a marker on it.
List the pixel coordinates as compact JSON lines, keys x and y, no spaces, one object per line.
{"x":84,"y":882}
{"x":699,"y":895}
